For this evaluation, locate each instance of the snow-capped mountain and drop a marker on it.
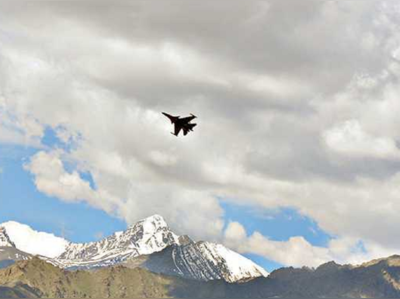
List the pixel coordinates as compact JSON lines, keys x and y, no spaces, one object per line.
{"x":145,"y":237}
{"x":235,"y":266}
{"x":33,"y":242}
{"x":149,"y":243}
{"x":200,"y":261}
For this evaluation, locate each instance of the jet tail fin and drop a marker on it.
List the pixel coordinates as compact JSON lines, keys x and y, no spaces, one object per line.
{"x":191,"y":126}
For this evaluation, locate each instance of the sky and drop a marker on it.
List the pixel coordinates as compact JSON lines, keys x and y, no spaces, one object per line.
{"x":295,"y":160}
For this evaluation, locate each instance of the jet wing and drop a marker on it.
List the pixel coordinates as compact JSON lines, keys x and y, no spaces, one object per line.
{"x":171,"y":118}
{"x":177,"y":129}
{"x":187,"y":119}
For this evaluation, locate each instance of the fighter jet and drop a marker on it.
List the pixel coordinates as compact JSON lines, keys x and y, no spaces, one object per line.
{"x":181,"y":123}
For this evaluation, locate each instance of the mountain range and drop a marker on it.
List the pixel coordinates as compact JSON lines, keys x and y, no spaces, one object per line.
{"x":149,"y":244}
{"x":148,"y":260}
{"x":36,"y":278}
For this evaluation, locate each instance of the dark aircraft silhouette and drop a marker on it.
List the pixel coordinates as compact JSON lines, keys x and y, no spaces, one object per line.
{"x":181,"y":123}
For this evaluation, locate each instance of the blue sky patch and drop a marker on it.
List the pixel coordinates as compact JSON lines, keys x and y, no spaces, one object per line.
{"x":51,"y":140}
{"x":20,"y":201}
{"x":277,"y":224}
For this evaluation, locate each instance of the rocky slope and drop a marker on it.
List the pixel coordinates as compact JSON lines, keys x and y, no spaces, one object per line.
{"x":378,"y":279}
{"x":36,"y":278}
{"x":141,"y":246}
{"x":40,"y":279}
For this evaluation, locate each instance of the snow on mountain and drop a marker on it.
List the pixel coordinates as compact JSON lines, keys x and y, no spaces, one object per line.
{"x":149,"y":243}
{"x":5,"y":239}
{"x":238,"y":267}
{"x":202,"y":261}
{"x":33,"y":242}
{"x":145,"y":237}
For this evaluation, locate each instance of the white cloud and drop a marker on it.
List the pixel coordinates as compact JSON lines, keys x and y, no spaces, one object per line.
{"x":52,"y":179}
{"x":235,"y":232}
{"x":350,"y":138}
{"x":264,"y":99}
{"x":22,"y":131}
{"x":297,"y":251}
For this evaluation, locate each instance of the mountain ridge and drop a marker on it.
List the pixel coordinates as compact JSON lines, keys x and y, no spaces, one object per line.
{"x":36,"y":278}
{"x":147,"y":237}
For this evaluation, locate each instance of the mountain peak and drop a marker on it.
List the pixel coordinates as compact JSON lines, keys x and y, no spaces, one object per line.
{"x":151,"y":228}
{"x":156,"y":222}
{"x":328,"y":267}
{"x":147,"y":236}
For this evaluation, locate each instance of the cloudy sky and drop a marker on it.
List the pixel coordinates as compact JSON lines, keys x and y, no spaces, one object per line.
{"x":295,"y":159}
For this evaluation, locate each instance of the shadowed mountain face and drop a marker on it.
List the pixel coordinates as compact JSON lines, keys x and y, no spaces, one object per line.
{"x":18,"y":291}
{"x":36,"y":278}
{"x":377,"y":279}
{"x":201,"y":261}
